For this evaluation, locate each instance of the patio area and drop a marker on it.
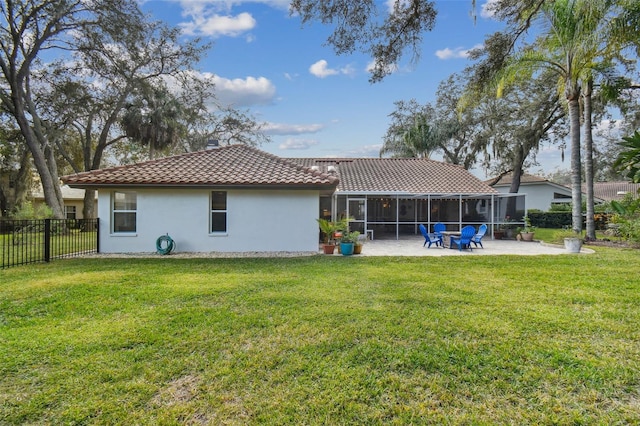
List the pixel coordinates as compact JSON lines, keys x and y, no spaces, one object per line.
{"x":412,"y":246}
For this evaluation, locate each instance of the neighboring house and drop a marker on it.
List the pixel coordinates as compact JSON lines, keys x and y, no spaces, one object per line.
{"x":609,"y":191}
{"x":240,"y":199}
{"x":540,"y":193}
{"x":73,"y":201}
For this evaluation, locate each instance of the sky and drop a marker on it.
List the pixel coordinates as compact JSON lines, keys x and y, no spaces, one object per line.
{"x":315,"y":103}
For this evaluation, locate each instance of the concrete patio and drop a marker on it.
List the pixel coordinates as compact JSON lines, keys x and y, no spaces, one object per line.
{"x":412,"y":246}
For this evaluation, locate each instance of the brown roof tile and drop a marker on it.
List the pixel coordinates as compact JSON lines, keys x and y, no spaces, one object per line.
{"x":505,"y":180}
{"x":235,"y":165}
{"x":399,"y":175}
{"x":609,"y":191}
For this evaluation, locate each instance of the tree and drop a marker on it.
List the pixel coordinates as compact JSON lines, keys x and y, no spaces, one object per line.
{"x":566,"y":48}
{"x":358,"y":26}
{"x":418,"y":139}
{"x":628,"y":162}
{"x":154,"y":121}
{"x":27,"y":30}
{"x":456,"y":131}
{"x":516,"y":124}
{"x":15,"y":168}
{"x":459,"y":127}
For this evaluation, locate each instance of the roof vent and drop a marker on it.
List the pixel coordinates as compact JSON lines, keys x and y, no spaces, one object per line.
{"x":622,"y":193}
{"x":212,"y":144}
{"x":331,"y":169}
{"x":315,"y":168}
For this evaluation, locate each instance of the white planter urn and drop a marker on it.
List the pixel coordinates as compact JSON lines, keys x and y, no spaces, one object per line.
{"x":573,"y":245}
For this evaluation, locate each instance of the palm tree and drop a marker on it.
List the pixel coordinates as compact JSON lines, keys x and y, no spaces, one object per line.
{"x":568,"y":46}
{"x":155,"y":120}
{"x":420,"y":140}
{"x":628,"y":162}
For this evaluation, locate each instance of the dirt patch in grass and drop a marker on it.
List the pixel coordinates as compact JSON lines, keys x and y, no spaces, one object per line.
{"x":179,"y":391}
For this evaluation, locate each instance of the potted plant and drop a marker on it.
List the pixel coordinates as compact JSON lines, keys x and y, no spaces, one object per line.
{"x":328,"y":229}
{"x":341,"y":226}
{"x":347,"y":242}
{"x":526,"y":232}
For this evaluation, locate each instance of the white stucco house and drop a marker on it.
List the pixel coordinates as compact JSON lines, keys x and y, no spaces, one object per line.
{"x":240,"y":199}
{"x":228,"y":199}
{"x":540,"y":193}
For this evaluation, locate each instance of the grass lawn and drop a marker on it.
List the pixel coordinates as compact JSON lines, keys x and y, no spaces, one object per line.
{"x":323,"y":340}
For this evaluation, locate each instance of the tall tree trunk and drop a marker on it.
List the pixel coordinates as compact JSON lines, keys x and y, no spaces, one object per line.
{"x":48,"y":178}
{"x":23,"y":180}
{"x":588,"y":161}
{"x":89,"y":204}
{"x":576,"y":178}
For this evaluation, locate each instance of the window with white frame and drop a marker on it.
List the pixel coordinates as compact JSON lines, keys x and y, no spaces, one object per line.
{"x":124,"y":212}
{"x":218,"y":212}
{"x":70,"y":212}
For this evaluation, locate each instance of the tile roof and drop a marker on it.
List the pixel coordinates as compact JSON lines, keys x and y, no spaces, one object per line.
{"x":234,"y":165}
{"x":68,"y":193}
{"x":505,"y":180}
{"x":399,"y":175}
{"x":608,"y":191}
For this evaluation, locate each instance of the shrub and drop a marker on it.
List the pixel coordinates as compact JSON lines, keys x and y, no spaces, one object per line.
{"x":27,"y":212}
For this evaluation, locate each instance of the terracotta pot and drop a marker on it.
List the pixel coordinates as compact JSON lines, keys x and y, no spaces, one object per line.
{"x":329,"y":248}
{"x":357,"y":249}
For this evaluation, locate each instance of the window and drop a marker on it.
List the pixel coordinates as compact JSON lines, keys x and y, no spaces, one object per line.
{"x":70,"y":212}
{"x":124,"y":212}
{"x":218,"y":211}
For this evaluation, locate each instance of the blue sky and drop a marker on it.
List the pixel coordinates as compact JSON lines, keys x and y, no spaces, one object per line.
{"x":317,"y":104}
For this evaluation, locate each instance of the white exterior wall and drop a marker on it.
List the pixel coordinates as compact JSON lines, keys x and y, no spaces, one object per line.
{"x":537,"y":196}
{"x":257,"y":221}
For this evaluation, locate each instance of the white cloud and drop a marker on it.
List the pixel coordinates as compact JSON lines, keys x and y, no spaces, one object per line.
{"x":244,"y":92}
{"x":321,"y":69}
{"x":291,"y":129}
{"x":297,"y":144}
{"x":458,"y":52}
{"x":215,"y":25}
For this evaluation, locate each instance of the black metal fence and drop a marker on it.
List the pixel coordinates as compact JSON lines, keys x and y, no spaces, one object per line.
{"x":31,"y":241}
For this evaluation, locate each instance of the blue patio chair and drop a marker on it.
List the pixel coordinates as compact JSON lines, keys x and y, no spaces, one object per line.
{"x":430,"y":238}
{"x":439,"y":228}
{"x":477,"y":239}
{"x":464,"y":240}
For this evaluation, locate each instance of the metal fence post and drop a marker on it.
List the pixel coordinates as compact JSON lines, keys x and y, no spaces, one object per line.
{"x":97,"y":235}
{"x":47,"y":240}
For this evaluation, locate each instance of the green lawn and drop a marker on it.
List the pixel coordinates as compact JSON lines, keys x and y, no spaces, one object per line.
{"x":323,"y":340}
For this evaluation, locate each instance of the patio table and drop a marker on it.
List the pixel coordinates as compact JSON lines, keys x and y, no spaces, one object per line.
{"x":449,"y":234}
